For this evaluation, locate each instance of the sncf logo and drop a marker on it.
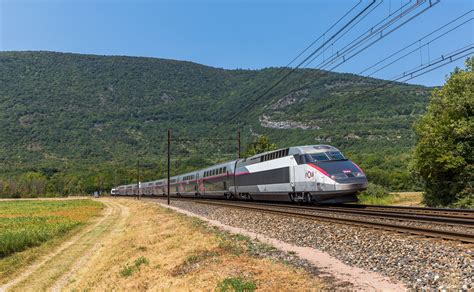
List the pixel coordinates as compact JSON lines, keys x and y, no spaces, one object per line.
{"x":309,"y":174}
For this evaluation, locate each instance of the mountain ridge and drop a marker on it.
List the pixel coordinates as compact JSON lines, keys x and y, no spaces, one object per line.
{"x":82,"y":114}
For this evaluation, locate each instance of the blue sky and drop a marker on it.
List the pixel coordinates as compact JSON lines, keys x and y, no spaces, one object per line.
{"x":229,"y":34}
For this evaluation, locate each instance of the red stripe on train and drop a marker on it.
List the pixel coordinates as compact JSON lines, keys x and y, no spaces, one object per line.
{"x":319,"y":169}
{"x":359,"y":168}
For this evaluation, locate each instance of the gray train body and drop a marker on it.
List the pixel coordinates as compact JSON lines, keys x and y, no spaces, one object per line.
{"x":313,"y":173}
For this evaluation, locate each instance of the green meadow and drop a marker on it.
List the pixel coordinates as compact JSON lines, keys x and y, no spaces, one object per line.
{"x":27,"y":224}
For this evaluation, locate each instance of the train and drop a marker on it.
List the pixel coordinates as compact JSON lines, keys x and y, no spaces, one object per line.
{"x":318,"y":174}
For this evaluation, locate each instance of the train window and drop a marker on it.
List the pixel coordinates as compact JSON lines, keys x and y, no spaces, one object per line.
{"x":319,"y":157}
{"x":225,"y":168}
{"x":335,"y":155}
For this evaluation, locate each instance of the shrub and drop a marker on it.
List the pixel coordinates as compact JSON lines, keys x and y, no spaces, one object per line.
{"x":126,"y":271}
{"x":236,"y":284}
{"x":375,"y":195}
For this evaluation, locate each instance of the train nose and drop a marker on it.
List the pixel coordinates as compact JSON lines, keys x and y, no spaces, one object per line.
{"x":358,"y":186}
{"x":342,"y":171}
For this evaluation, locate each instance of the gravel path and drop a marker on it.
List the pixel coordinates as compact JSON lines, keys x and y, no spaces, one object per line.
{"x":419,"y":262}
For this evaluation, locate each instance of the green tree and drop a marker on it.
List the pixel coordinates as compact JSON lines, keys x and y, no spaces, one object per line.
{"x":443,"y":156}
{"x":259,"y":145}
{"x":32,"y":184}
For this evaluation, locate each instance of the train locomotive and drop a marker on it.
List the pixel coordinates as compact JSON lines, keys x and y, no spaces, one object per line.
{"x":311,"y":174}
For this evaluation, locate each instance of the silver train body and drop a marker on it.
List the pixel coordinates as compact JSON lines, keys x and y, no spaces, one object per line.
{"x":313,"y":173}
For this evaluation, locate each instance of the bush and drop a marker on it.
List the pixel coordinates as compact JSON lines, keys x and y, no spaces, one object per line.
{"x":236,"y":284}
{"x":375,"y":195}
{"x":375,"y":191}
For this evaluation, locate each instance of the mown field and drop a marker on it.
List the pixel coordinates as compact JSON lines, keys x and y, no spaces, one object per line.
{"x":25,"y":225}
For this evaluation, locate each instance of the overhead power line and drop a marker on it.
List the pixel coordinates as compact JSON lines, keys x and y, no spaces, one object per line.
{"x":407,"y":75}
{"x":358,"y":41}
{"x":375,"y":34}
{"x":292,"y":70}
{"x":418,"y":42}
{"x":371,"y":30}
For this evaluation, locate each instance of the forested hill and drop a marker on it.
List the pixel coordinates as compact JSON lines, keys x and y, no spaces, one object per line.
{"x":66,"y":116}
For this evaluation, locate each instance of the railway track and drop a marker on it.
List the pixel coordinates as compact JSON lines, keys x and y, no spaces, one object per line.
{"x":440,"y":212}
{"x":363,"y":215}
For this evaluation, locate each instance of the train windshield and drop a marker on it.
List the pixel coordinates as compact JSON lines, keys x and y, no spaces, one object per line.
{"x":325,"y":156}
{"x":335,"y":155}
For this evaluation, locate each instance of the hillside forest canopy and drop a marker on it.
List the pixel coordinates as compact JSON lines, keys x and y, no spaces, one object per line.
{"x":73,"y":123}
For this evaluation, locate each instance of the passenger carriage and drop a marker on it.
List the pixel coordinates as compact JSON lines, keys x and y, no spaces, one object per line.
{"x":313,"y":173}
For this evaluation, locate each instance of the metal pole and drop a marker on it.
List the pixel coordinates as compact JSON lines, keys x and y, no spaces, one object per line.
{"x":238,"y":140}
{"x":169,"y":145}
{"x":138,"y":179}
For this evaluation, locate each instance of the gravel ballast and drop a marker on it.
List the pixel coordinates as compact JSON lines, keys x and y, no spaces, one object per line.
{"x":418,"y":262}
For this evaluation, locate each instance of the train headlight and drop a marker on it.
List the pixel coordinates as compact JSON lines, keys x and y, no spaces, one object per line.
{"x":359,"y":174}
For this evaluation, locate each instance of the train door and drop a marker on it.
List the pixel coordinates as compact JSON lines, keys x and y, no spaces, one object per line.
{"x":196,"y":183}
{"x":292,"y":177}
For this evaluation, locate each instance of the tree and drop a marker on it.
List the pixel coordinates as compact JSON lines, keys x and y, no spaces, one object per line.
{"x":259,"y":145}
{"x":443,"y":156}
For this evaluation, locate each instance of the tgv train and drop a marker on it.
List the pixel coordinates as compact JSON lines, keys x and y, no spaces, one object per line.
{"x":313,"y":173}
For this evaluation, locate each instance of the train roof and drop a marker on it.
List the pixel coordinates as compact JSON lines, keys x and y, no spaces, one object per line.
{"x":299,"y":150}
{"x":312,"y":149}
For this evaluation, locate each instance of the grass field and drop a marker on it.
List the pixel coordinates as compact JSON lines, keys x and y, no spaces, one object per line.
{"x":28,"y":224}
{"x":396,"y":199}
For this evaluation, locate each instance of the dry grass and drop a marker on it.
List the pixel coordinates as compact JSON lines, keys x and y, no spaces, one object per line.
{"x":408,"y":199}
{"x":394,"y":199}
{"x":175,"y":252}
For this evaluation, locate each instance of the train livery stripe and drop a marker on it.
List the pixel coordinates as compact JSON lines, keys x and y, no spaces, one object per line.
{"x":319,"y":169}
{"x":273,"y":176}
{"x":358,"y":167}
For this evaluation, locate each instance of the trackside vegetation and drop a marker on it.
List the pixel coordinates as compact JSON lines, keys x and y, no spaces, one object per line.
{"x":26,"y":224}
{"x":236,"y":284}
{"x":444,"y":157}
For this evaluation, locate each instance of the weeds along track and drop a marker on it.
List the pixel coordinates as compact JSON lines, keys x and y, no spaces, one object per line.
{"x":438,"y":223}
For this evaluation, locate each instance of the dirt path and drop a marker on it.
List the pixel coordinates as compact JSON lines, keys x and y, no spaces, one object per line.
{"x":137,"y":245}
{"x":54,"y":270}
